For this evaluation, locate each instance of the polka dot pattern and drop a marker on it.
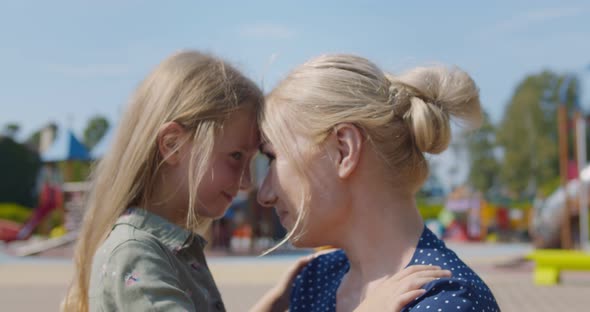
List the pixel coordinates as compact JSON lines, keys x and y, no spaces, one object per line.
{"x":315,"y":287}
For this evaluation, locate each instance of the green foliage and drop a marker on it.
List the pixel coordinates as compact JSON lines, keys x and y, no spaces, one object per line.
{"x":484,"y":166}
{"x":19,"y":167}
{"x":95,"y":130}
{"x":14,"y":212}
{"x":528,"y":132}
{"x":11,"y":130}
{"x":34,"y":141}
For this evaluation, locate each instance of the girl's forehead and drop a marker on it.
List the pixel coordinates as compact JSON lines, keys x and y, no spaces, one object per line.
{"x":241,"y":129}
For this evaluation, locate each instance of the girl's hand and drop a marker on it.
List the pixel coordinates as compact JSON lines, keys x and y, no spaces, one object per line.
{"x":400,"y":289}
{"x":277,"y":298}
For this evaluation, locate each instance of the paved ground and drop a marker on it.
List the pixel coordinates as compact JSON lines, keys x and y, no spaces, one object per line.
{"x":33,"y":285}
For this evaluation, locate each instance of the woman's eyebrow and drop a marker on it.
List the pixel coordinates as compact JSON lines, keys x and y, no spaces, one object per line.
{"x":264,"y":148}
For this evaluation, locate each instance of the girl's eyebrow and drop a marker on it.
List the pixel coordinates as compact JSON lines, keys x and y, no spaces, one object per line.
{"x":247,"y":148}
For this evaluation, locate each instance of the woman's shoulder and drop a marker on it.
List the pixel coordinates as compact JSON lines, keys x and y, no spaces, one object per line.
{"x":454,"y":294}
{"x":464,"y":291}
{"x":331,"y":265}
{"x":329,"y":261}
{"x":319,"y":279}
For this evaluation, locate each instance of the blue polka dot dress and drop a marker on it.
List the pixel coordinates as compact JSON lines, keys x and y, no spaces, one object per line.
{"x":315,"y":287}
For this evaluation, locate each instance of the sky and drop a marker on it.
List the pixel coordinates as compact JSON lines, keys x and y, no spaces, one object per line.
{"x":67,"y":61}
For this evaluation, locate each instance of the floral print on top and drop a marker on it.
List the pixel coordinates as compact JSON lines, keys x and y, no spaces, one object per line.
{"x":149,"y":264}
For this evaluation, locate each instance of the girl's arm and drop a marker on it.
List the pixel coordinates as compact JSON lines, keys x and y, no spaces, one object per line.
{"x":277,"y":298}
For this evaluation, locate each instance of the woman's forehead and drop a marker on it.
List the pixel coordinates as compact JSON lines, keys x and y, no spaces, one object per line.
{"x":265,"y":145}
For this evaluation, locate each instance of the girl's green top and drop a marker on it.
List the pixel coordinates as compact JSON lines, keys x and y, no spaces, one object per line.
{"x":150,"y":264}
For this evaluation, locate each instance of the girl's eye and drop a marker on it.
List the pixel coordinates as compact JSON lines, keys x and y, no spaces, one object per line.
{"x":237,"y":156}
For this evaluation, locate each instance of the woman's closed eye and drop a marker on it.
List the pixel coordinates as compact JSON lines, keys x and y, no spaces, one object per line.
{"x":271,"y":157}
{"x":265,"y":150}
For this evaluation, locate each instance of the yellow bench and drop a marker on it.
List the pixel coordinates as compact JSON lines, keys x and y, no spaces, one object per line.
{"x":550,"y":262}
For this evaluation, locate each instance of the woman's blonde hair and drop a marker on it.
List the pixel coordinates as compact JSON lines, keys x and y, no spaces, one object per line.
{"x":197,"y":91}
{"x":401,"y":116}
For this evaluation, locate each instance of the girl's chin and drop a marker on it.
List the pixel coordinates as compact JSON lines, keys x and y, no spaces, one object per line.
{"x":216,"y":213}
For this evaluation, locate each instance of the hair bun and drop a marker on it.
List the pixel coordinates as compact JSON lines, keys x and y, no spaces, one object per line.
{"x":434,"y":96}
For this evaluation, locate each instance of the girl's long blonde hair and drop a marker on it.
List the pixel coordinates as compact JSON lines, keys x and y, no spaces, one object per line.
{"x":196,"y":90}
{"x":402,"y":116}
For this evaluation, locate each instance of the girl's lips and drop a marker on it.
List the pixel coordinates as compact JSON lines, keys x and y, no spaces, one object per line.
{"x":227,"y":196}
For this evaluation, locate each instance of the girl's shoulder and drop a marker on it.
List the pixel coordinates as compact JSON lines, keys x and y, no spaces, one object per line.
{"x":124,"y":248}
{"x":123,"y":235}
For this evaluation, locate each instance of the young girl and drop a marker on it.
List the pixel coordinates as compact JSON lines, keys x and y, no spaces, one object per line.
{"x":180,"y":156}
{"x":186,"y":140}
{"x":347,"y":146}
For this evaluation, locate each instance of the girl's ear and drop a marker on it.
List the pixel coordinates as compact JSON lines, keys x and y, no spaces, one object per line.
{"x":170,"y":138}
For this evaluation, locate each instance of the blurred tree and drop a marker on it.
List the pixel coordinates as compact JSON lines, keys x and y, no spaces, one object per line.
{"x":11,"y":130}
{"x":19,"y":166}
{"x":34,"y":141}
{"x":484,"y":167}
{"x":95,"y":129}
{"x":528,"y":132}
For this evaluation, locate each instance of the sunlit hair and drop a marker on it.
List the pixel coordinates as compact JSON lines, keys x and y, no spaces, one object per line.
{"x":197,"y":91}
{"x":401,"y":116}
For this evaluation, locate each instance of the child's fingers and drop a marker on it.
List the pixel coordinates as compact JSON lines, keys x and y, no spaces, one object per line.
{"x":414,"y":269}
{"x":415,"y":283}
{"x":431,"y":273}
{"x":406,"y":298}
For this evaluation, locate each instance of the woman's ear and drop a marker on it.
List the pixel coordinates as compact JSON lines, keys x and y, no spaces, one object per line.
{"x":170,"y":138}
{"x":349,"y":142}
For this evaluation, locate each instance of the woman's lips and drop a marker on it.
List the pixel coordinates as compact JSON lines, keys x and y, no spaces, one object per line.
{"x":282,"y":215}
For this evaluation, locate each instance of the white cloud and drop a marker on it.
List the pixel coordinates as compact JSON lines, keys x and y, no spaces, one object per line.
{"x":89,"y":70}
{"x":533,"y":17}
{"x":266,"y":31}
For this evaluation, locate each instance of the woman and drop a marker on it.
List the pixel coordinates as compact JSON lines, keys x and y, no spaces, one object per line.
{"x":347,"y":145}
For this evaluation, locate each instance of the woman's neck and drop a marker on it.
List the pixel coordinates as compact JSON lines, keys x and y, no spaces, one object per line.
{"x":380,"y":239}
{"x":384,"y":236}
